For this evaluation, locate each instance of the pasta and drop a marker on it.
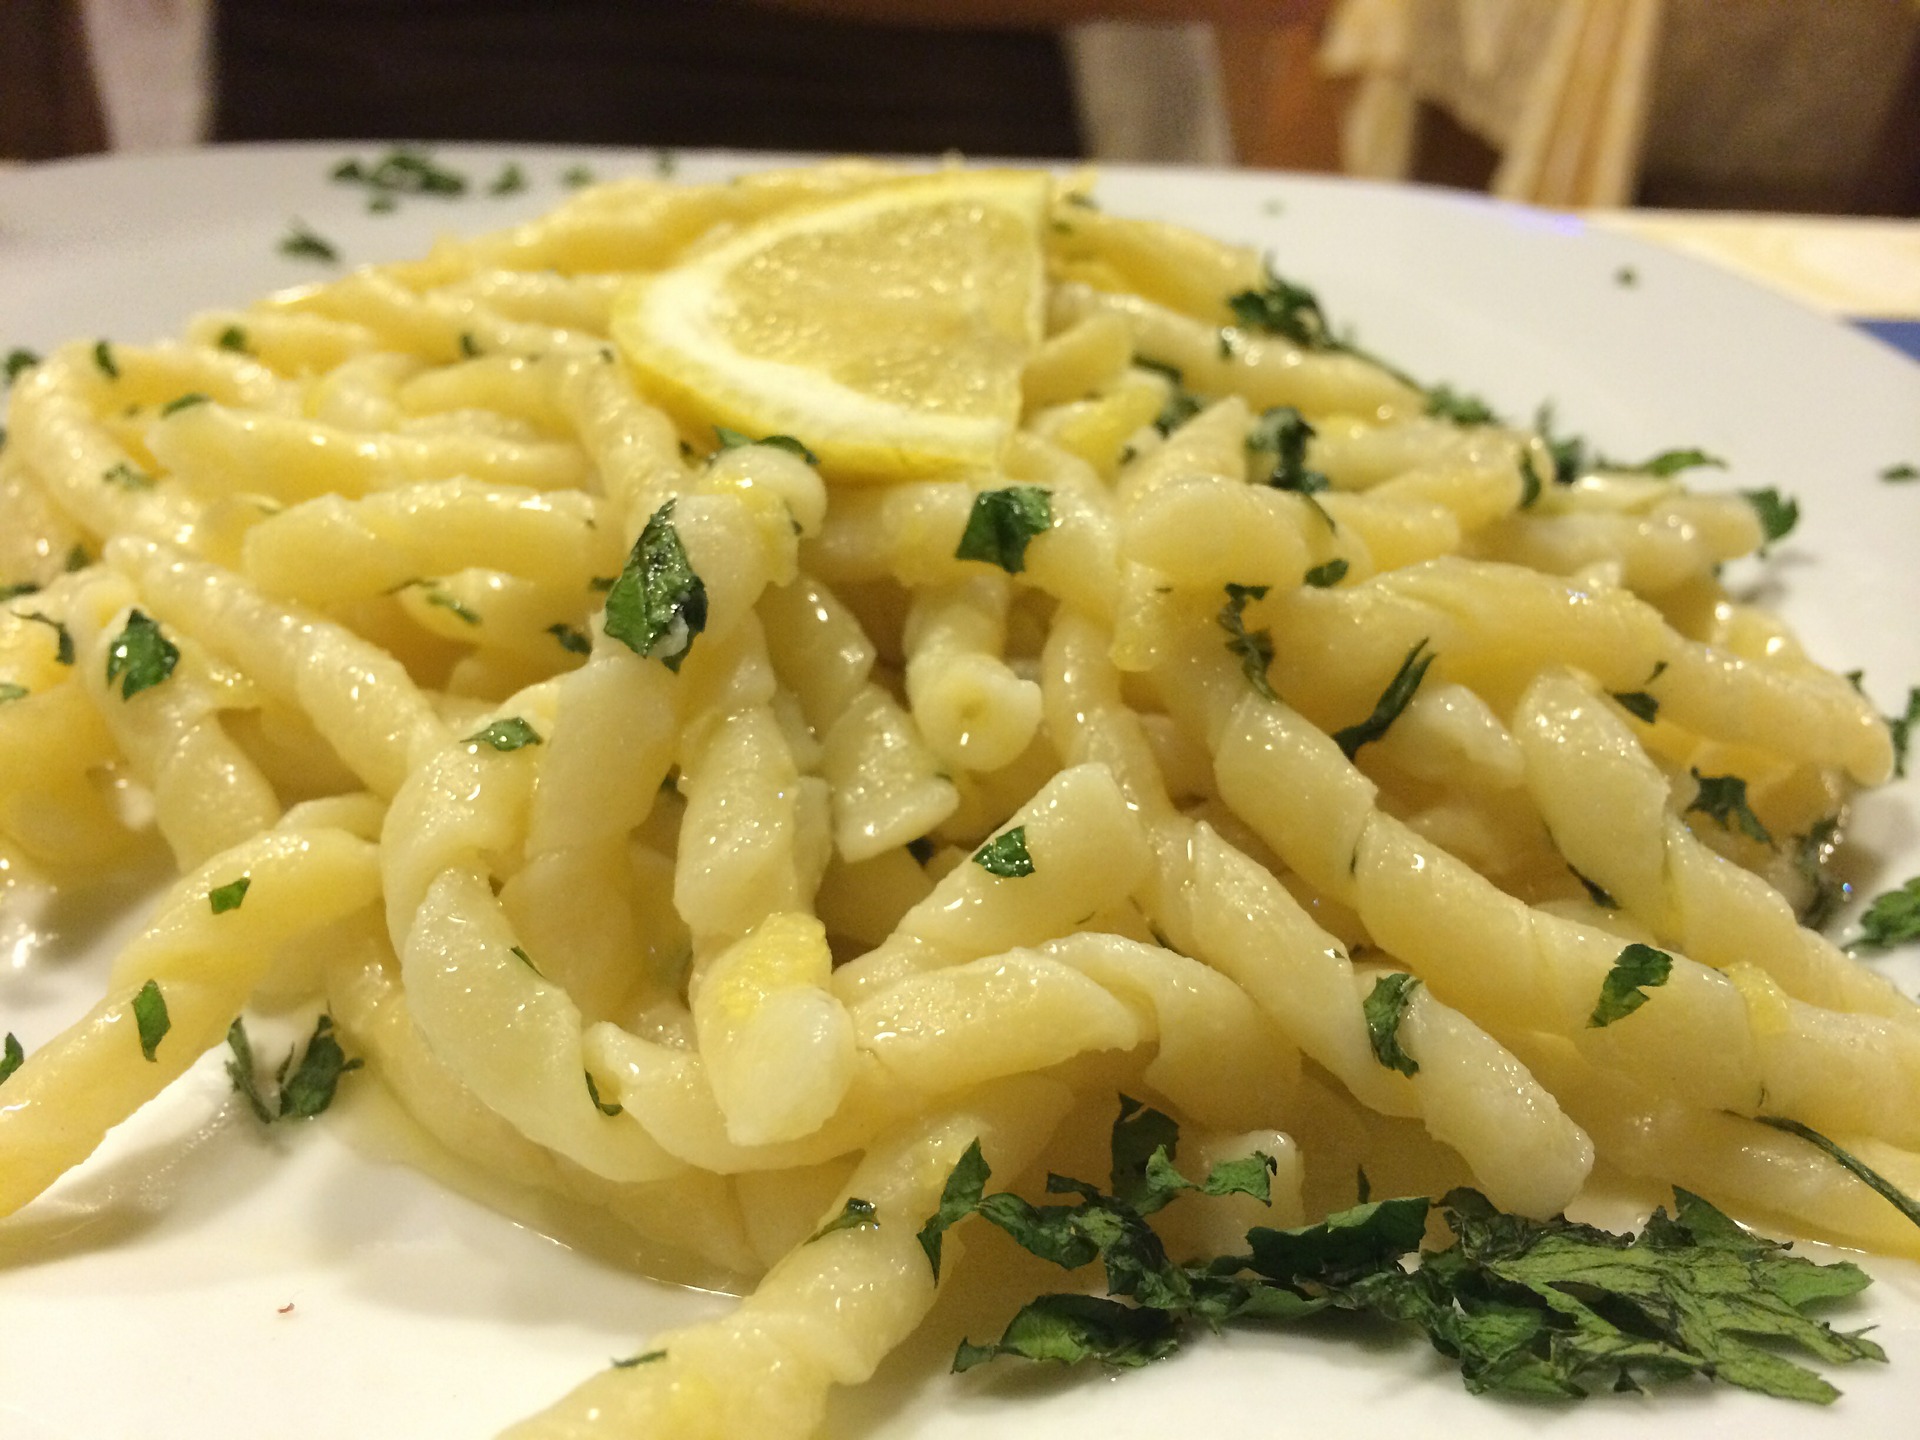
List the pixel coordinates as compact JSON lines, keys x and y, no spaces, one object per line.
{"x":727,"y":831}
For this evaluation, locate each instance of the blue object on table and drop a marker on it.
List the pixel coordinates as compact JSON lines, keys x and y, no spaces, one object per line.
{"x":1903,"y":335}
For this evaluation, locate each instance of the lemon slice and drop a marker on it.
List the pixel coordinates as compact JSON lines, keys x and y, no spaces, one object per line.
{"x":886,"y":331}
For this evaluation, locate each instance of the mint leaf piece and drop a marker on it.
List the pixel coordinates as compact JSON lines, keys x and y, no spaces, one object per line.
{"x":1006,"y":855}
{"x":150,"y":1018}
{"x":959,"y":1198}
{"x":1723,"y":799}
{"x":223,"y":898}
{"x":1395,"y":698}
{"x":507,"y":733}
{"x":141,"y":657}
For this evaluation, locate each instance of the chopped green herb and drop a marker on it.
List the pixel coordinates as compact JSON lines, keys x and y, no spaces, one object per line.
{"x":1626,"y":276}
{"x":1621,"y":993}
{"x":958,"y":1199}
{"x":921,"y":850}
{"x":1006,"y":855}
{"x":11,"y":691}
{"x":665,"y":163}
{"x":19,"y":588}
{"x":183,"y":402}
{"x":1523,"y":1306}
{"x":1385,"y":1007}
{"x":233,"y":338}
{"x":573,"y":641}
{"x":1228,"y":342}
{"x":857,"y":1214}
{"x":525,"y":959}
{"x":1283,"y":432}
{"x":223,"y":898}
{"x":510,"y":181}
{"x":1003,"y":523}
{"x":734,"y":439}
{"x":1893,"y":918}
{"x":1894,"y":474}
{"x":1254,"y":648}
{"x":1282,"y":308}
{"x":446,"y":600}
{"x":1395,"y":698}
{"x":647,"y":1359}
{"x":1872,"y":1179}
{"x":593,"y":1094}
{"x":77,"y":558}
{"x":1637,"y":703}
{"x":1672,"y":462}
{"x":469,"y":348}
{"x":1595,"y":893}
{"x":304,"y":1093}
{"x":103,"y":359}
{"x":657,"y":605}
{"x":1174,"y":374}
{"x":1723,"y":799}
{"x":141,"y":657}
{"x":12,"y":1058}
{"x":126,"y":477}
{"x":150,"y":1018}
{"x":510,"y":733}
{"x":1900,"y":728}
{"x":1777,"y":516}
{"x":403,"y":171}
{"x":575,"y":176}
{"x":19,"y":362}
{"x":1824,"y":894}
{"x":1325,"y":577}
{"x":1181,"y":407}
{"x":1446,"y":403}
{"x":62,"y":637}
{"x":301,"y":243}
{"x":1529,"y":481}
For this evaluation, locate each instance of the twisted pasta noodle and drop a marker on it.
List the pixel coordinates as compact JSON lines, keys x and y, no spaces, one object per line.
{"x":899,"y":849}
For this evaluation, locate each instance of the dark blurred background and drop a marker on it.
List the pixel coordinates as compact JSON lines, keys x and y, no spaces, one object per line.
{"x":1795,"y":105}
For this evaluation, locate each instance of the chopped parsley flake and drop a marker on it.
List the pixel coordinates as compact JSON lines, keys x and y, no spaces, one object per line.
{"x":510,"y":733}
{"x":1895,"y":474}
{"x":62,"y":637}
{"x":1872,"y":1179}
{"x":1638,"y":969}
{"x":1723,"y":799}
{"x":11,"y":691}
{"x":657,"y":605}
{"x":301,"y":243}
{"x":1778,"y":516}
{"x":1900,"y":728}
{"x":403,"y":171}
{"x":1006,"y":855}
{"x":446,"y":600}
{"x":1637,"y":703}
{"x":1325,"y":577}
{"x":1446,"y":403}
{"x":304,"y":1093}
{"x":575,"y":176}
{"x":525,"y":959}
{"x":141,"y":657}
{"x":233,"y":338}
{"x":1385,"y":1007}
{"x":1283,"y":308}
{"x":223,"y":898}
{"x":593,"y":1094}
{"x":103,"y":360}
{"x":734,"y":439}
{"x":510,"y":181}
{"x":1595,"y":893}
{"x":644,"y":1359}
{"x":857,"y":1214}
{"x":183,"y":402}
{"x":1254,"y":648}
{"x":12,"y":1058}
{"x":1003,"y":523}
{"x":1394,"y":699}
{"x":150,"y":1018}
{"x":573,"y":641}
{"x":1893,"y":918}
{"x":126,"y":477}
{"x":18,"y":362}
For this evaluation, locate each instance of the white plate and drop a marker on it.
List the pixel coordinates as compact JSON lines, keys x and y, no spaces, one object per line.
{"x":144,"y":1296}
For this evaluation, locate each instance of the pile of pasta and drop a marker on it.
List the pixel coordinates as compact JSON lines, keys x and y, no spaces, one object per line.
{"x":709,"y":935}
